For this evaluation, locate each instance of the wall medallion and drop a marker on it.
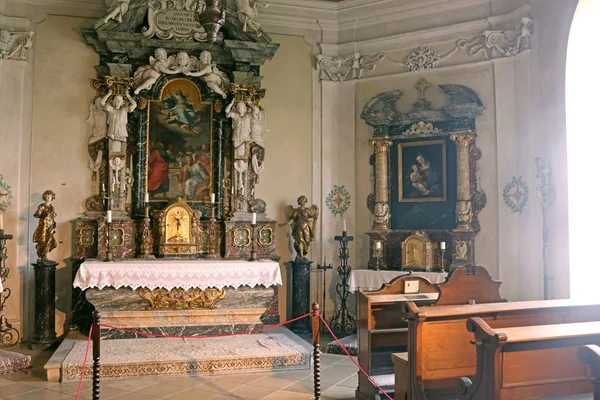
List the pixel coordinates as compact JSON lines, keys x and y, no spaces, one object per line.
{"x":5,"y":195}
{"x":241,"y":237}
{"x":516,"y":194}
{"x":338,"y":200}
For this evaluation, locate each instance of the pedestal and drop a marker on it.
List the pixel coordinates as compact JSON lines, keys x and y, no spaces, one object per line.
{"x":301,"y":295}
{"x":45,"y":283}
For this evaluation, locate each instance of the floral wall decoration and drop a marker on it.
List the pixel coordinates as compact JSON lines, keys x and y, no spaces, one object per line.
{"x":338,"y":200}
{"x":5,"y":195}
{"x":516,"y":194}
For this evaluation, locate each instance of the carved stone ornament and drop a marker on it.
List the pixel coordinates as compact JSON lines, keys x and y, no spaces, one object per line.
{"x":14,"y":45}
{"x":461,"y":248}
{"x":179,"y":299}
{"x":516,"y":194}
{"x":422,"y":58}
{"x":175,"y":19}
{"x":340,"y":69}
{"x":500,"y":43}
{"x":421,"y":128}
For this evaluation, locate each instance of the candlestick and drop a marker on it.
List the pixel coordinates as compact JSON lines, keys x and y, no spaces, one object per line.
{"x":109,"y":254}
{"x":253,"y":218}
{"x":109,"y":216}
{"x":342,"y":322}
{"x":253,"y":256}
{"x":212,"y":198}
{"x":344,"y":226}
{"x":8,"y":335}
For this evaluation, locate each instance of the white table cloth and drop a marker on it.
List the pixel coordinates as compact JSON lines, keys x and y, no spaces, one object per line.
{"x":171,"y":274}
{"x":372,"y":280}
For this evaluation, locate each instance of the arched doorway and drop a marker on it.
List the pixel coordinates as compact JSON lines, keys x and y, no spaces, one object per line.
{"x":583,"y":150}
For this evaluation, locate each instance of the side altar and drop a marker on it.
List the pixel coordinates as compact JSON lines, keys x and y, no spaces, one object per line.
{"x":176,"y":152}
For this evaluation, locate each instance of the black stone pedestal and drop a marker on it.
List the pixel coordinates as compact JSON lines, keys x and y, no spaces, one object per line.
{"x":301,"y":295}
{"x":44,"y":335}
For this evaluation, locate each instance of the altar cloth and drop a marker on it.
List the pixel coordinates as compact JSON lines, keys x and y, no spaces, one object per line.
{"x":170,"y":274}
{"x":372,"y":280}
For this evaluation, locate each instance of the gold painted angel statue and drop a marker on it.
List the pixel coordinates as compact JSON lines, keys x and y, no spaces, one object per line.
{"x":44,"y":234}
{"x":303,"y":221}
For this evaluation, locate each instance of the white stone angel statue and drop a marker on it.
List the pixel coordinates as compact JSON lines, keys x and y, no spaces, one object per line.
{"x":258,"y":124}
{"x":241,"y":122}
{"x":117,"y":115}
{"x":248,"y":14}
{"x":147,"y":75}
{"x":216,"y":80}
{"x":97,"y":119}
{"x":116,"y":10}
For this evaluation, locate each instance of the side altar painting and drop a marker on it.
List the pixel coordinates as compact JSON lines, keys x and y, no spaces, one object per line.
{"x":180,"y":144}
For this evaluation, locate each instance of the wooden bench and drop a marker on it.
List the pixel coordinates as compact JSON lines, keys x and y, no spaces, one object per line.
{"x":381,"y":330}
{"x":440,"y":348}
{"x":529,"y":362}
{"x":590,"y":355}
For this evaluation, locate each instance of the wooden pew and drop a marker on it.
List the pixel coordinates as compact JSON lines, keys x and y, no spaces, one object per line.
{"x":590,"y":355}
{"x":381,"y":331}
{"x":529,"y":362}
{"x":440,"y":348}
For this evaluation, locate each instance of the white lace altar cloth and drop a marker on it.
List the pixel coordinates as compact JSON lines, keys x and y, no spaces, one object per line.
{"x":171,"y":274}
{"x":372,"y":280}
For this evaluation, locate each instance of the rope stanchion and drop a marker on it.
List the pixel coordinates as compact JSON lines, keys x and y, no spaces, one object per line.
{"x":316,"y":354}
{"x":96,"y":357}
{"x":352,"y":358}
{"x":87,"y":351}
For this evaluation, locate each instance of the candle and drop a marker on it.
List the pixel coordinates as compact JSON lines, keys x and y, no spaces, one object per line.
{"x":344,"y":226}
{"x":443,"y":245}
{"x":378,"y":245}
{"x":146,"y":198}
{"x":253,"y":218}
{"x":2,"y":221}
{"x":212,"y":198}
{"x":109,"y":216}
{"x":103,"y":188}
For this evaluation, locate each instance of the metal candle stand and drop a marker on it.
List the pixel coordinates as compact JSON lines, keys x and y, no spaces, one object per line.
{"x":109,"y":254}
{"x":8,"y":335}
{"x":253,"y":256}
{"x":343,"y":323}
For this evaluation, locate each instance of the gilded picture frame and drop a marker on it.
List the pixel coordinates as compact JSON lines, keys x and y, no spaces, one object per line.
{"x":179,"y":144}
{"x":422,"y":175}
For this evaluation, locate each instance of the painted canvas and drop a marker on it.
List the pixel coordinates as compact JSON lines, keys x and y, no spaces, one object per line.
{"x":422,"y":171}
{"x":180,"y":144}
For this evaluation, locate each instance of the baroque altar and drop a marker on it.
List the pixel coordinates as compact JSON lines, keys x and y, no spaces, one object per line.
{"x":427,"y":191}
{"x":176,"y":146}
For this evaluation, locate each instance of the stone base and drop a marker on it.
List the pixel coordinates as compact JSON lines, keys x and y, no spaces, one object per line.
{"x":39,"y":346}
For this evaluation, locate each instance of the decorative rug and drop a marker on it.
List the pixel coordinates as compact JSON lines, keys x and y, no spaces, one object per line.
{"x":12,"y":362}
{"x":349,"y":342}
{"x":275,"y":350}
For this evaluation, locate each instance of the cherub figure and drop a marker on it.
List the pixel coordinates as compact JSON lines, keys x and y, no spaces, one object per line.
{"x":216,"y":80}
{"x":116,"y":10}
{"x":147,"y":75}
{"x":303,"y":221}
{"x":117,"y":115}
{"x":248,"y":14}
{"x":44,"y":233}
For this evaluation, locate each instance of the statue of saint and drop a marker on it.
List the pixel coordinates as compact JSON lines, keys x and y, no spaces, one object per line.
{"x":117,"y":115}
{"x":248,"y":14}
{"x":216,"y":80}
{"x":241,"y":122}
{"x":44,"y":234}
{"x":258,"y":124}
{"x":303,"y":221}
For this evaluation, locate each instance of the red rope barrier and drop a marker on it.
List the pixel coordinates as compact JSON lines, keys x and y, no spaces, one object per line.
{"x":87,"y":349}
{"x":352,"y":358}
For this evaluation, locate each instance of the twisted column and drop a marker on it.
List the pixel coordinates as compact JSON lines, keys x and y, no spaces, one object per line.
{"x":464,"y":214}
{"x":382,"y":183}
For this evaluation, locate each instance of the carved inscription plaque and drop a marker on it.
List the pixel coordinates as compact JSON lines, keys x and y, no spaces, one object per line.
{"x":175,"y":19}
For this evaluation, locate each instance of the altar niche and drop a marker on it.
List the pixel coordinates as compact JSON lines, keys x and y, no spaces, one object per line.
{"x":427,"y":182}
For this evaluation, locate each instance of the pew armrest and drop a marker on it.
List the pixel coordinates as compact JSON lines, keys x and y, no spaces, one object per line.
{"x":464,"y":385}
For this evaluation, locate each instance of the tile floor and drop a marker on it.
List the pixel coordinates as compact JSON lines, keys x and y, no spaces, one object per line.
{"x":338,"y":381}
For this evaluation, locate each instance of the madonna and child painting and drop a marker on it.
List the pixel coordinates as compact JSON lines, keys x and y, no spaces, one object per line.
{"x":422,"y":171}
{"x":180,"y":144}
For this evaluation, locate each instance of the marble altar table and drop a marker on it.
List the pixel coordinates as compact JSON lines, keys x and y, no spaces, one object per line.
{"x":181,"y":297}
{"x":372,"y":280}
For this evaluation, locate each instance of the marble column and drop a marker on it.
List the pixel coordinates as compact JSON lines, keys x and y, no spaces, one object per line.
{"x":44,"y":334}
{"x":301,"y":295}
{"x":382,"y":183}
{"x":464,"y":212}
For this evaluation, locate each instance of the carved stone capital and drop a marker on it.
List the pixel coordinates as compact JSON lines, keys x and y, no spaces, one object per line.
{"x":462,"y":139}
{"x":340,"y":69}
{"x":14,"y":45}
{"x":381,"y":145}
{"x":382,"y":216}
{"x":464,"y":216}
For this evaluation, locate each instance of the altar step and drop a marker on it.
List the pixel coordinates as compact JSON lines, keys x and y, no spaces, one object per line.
{"x":274,"y":350}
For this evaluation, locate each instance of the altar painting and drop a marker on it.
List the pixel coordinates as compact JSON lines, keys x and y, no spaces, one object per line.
{"x":422,"y":171}
{"x":180,"y":144}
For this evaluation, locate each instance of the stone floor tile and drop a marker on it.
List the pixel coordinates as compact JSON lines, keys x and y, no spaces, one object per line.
{"x":185,"y":382}
{"x":339,"y":392}
{"x":351,"y":382}
{"x":285,"y":395}
{"x":67,"y":388}
{"x":220,"y":386}
{"x":18,"y":388}
{"x":335,"y":375}
{"x":39,"y":395}
{"x":251,"y":392}
{"x":133,"y":396}
{"x":347,"y":361}
{"x":131,"y":385}
{"x":273,"y":382}
{"x":292,"y":375}
{"x":158,"y":390}
{"x":5,"y":382}
{"x":193,"y":394}
{"x":106,"y":392}
{"x":306,"y":386}
{"x":239,"y":378}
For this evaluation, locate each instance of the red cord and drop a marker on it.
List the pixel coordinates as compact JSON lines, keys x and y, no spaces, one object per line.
{"x":87,"y":349}
{"x":205,"y":337}
{"x":352,"y":358}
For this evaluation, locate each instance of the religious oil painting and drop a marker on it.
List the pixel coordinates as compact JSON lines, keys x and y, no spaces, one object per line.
{"x":180,"y":144}
{"x":422,"y":171}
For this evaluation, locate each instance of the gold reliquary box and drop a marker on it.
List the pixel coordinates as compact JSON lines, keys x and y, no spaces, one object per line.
{"x":178,"y":230}
{"x":419,"y":252}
